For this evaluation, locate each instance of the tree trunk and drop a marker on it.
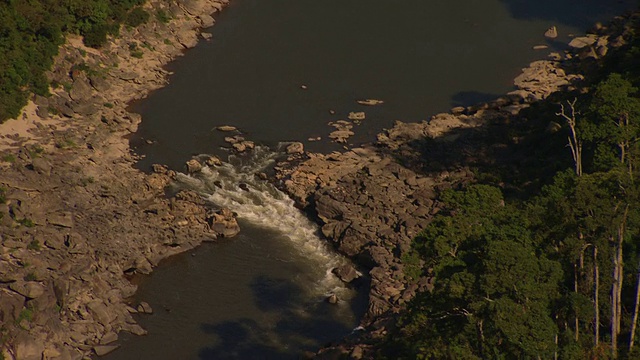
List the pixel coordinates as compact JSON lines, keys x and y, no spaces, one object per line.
{"x":618,"y":277}
{"x":575,"y":144}
{"x":575,"y":289}
{"x":634,"y":321}
{"x":614,"y":305}
{"x":596,"y":302}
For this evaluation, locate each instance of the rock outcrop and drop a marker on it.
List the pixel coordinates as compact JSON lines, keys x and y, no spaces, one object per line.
{"x":76,"y":218}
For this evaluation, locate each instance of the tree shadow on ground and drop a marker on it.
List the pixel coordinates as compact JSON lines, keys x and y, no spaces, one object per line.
{"x":516,"y":151}
{"x":576,"y":13}
{"x":293,"y":324}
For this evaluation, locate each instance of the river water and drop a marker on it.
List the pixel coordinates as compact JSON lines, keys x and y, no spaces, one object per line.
{"x":261,"y":294}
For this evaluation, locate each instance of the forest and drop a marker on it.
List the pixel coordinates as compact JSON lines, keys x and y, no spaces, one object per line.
{"x":540,"y":259}
{"x":32,"y":30}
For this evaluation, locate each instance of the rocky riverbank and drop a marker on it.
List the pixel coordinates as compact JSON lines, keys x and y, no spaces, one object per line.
{"x":76,"y":218}
{"x":372,"y":200}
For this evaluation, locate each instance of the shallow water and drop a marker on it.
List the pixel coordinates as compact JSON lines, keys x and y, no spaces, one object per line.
{"x":420,"y":57}
{"x":260,"y":295}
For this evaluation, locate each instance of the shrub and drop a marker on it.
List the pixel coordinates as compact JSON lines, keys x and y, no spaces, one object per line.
{"x":162,"y":16}
{"x":137,"y":17}
{"x":28,"y":223}
{"x":96,"y":36}
{"x":30,"y":277}
{"x":34,"y":245}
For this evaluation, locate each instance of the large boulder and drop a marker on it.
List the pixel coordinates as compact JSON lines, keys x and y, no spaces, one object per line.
{"x":224,"y":223}
{"x":346,"y":273}
{"x":295,"y":148}
{"x":80,"y":90}
{"x":26,"y":347}
{"x":28,"y":289}
{"x":10,"y":306}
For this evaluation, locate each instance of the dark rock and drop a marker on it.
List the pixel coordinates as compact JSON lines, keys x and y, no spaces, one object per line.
{"x":346,"y":273}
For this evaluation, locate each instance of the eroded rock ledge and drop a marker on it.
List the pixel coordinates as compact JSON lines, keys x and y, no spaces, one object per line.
{"x":77,"y":218}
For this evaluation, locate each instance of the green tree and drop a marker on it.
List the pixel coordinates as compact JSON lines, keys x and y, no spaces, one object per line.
{"x":493,"y":291}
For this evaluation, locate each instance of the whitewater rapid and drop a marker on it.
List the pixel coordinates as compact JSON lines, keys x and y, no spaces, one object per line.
{"x":234,"y":185}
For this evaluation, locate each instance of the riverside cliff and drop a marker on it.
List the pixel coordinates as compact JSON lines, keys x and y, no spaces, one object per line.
{"x":76,"y":217}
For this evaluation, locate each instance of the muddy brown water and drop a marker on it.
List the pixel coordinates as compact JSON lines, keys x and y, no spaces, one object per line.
{"x":260,"y":295}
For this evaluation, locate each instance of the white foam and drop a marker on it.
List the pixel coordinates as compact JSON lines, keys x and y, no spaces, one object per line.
{"x":265,"y":206}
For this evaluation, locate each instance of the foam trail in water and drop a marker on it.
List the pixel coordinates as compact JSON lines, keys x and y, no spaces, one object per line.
{"x":263,"y":205}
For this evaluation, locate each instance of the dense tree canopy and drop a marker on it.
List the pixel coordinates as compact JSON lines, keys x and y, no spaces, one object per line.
{"x":555,"y":273}
{"x":32,"y":30}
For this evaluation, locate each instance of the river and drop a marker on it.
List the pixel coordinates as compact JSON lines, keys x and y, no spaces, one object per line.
{"x":280,"y":70}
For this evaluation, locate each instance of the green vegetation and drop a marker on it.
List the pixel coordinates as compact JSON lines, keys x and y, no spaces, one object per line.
{"x":162,"y":16}
{"x":10,"y":158}
{"x":65,"y":143}
{"x":30,"y":277}
{"x":545,"y":271}
{"x":85,"y":181}
{"x":34,"y":245}
{"x":31,"y":31}
{"x":27,"y":223}
{"x":25,"y":314}
{"x":135,"y":51}
{"x":35,"y":151}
